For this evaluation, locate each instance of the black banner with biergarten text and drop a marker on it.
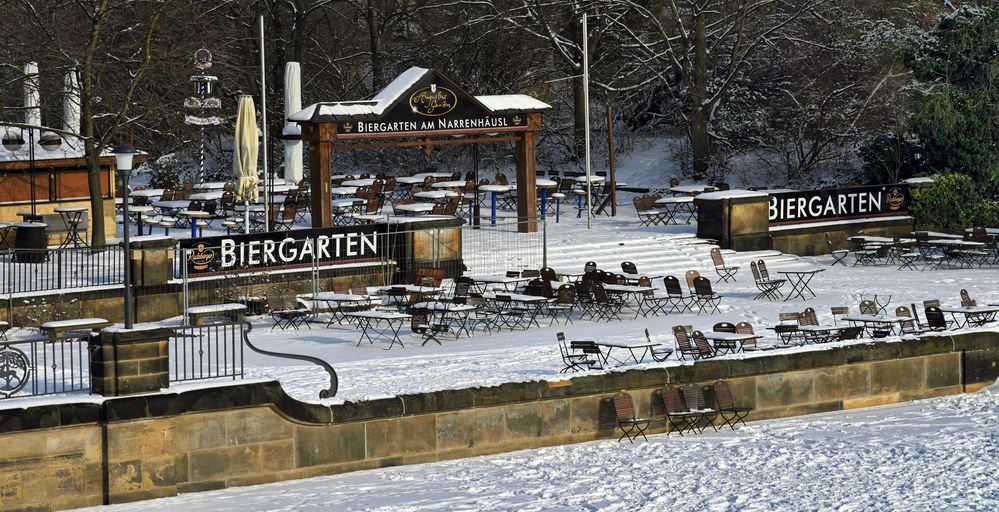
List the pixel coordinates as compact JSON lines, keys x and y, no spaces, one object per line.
{"x":802,"y":207}
{"x":280,"y":249}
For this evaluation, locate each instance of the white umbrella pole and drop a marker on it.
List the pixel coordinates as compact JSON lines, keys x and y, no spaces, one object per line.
{"x":246,"y":219}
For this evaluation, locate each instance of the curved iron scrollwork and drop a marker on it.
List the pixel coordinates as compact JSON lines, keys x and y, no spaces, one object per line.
{"x":334,"y":382}
{"x":15,"y":367}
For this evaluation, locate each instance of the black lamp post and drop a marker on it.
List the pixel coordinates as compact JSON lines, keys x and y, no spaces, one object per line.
{"x":123,"y":165}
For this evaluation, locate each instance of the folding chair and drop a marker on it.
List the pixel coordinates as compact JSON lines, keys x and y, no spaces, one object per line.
{"x":591,"y":350}
{"x":705,"y":295}
{"x":768,"y":288}
{"x":659,"y":353}
{"x":681,"y":303}
{"x":420,"y":324}
{"x":683,"y":346}
{"x":838,"y":254}
{"x":725,"y":272}
{"x":286,"y":310}
{"x":607,"y":307}
{"x":838,"y":311}
{"x":729,"y":412}
{"x":702,"y":346}
{"x":727,"y":346}
{"x":572,"y":362}
{"x":678,"y":416}
{"x":693,"y":396}
{"x":746,"y":328}
{"x":935,"y":320}
{"x":631,"y":425}
{"x":564,"y":304}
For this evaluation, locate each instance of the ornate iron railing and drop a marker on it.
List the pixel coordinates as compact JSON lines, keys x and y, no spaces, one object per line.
{"x":216,"y":351}
{"x":44,"y":366}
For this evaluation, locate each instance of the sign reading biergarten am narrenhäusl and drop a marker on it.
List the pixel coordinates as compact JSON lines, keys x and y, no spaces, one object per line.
{"x":429,"y":108}
{"x":283,"y":249}
{"x":839,"y":204}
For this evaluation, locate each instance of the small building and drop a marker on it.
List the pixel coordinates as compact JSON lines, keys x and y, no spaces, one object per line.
{"x":41,"y":169}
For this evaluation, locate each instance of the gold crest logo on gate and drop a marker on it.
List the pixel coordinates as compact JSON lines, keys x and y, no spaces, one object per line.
{"x":201,"y":256}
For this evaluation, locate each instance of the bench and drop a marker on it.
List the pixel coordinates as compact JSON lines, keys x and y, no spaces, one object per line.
{"x":232,"y":311}
{"x":58,"y":328}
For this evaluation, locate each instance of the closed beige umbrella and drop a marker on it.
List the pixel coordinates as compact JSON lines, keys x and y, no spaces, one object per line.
{"x":244,"y":155}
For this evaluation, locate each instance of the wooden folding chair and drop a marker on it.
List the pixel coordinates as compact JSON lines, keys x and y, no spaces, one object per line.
{"x":630,"y":424}
{"x":729,"y":412}
{"x":725,"y":272}
{"x":678,"y":416}
{"x":693,"y":396}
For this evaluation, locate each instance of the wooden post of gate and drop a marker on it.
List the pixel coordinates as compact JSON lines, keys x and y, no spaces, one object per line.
{"x":320,"y":138}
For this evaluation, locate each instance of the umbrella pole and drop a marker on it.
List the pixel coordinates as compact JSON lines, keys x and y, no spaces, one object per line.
{"x":246,"y":218}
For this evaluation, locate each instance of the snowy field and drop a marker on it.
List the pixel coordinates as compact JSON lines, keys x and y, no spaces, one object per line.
{"x":937,"y":454}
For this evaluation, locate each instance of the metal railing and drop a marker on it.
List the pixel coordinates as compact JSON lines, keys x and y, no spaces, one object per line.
{"x":216,"y":351}
{"x":44,"y":366}
{"x":35,"y":270}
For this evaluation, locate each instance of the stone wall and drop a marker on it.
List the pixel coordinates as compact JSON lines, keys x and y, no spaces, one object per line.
{"x":162,"y":444}
{"x":810,"y":240}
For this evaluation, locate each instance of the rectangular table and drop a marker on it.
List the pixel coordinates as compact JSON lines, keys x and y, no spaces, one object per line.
{"x":370,"y":323}
{"x":337,"y":304}
{"x":482,"y":281}
{"x":645,"y":348}
{"x":889,"y":322}
{"x":635,"y":295}
{"x":504,"y":305}
{"x":974,"y":316}
{"x":451,"y":313}
{"x":398,"y":293}
{"x":730,"y":341}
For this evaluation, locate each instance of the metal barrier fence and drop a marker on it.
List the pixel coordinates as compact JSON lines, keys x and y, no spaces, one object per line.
{"x":34,"y":270}
{"x":44,"y":366}
{"x":491,"y":249}
{"x":217,"y":352}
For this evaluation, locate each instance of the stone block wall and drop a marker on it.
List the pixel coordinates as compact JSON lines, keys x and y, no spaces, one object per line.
{"x":164,"y":443}
{"x":126,"y":362}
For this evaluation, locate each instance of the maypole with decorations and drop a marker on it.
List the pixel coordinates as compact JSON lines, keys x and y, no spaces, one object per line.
{"x":204,"y":103}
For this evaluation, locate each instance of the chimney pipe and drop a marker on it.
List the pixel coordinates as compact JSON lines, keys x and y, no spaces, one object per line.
{"x":32,"y":96}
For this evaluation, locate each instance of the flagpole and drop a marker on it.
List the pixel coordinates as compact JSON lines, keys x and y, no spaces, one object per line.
{"x":263,"y":126}
{"x":586,"y":123}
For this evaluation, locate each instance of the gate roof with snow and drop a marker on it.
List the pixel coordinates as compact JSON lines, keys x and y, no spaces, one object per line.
{"x":423,"y":108}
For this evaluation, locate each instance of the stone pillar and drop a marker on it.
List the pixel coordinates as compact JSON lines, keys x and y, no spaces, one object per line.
{"x":152,"y":269}
{"x":737,"y":219}
{"x":127,"y":362}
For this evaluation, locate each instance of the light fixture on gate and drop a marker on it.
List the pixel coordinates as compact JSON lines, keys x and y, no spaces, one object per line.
{"x":123,"y":164}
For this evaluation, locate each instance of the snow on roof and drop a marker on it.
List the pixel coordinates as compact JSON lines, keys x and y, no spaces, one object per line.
{"x":728,"y":194}
{"x":921,"y":179}
{"x":517,"y":102}
{"x":388,"y":96}
{"x":16,"y":147}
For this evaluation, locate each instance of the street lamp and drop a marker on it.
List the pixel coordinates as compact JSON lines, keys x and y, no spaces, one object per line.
{"x":123,"y":164}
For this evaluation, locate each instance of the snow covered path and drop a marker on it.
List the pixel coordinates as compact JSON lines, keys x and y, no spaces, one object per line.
{"x":938,"y":454}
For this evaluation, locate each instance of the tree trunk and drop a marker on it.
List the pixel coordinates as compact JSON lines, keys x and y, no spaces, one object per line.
{"x":700,"y":142}
{"x":374,"y":46}
{"x":91,"y":148}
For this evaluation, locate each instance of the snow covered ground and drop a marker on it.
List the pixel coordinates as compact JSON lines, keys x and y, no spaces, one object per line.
{"x":938,"y":454}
